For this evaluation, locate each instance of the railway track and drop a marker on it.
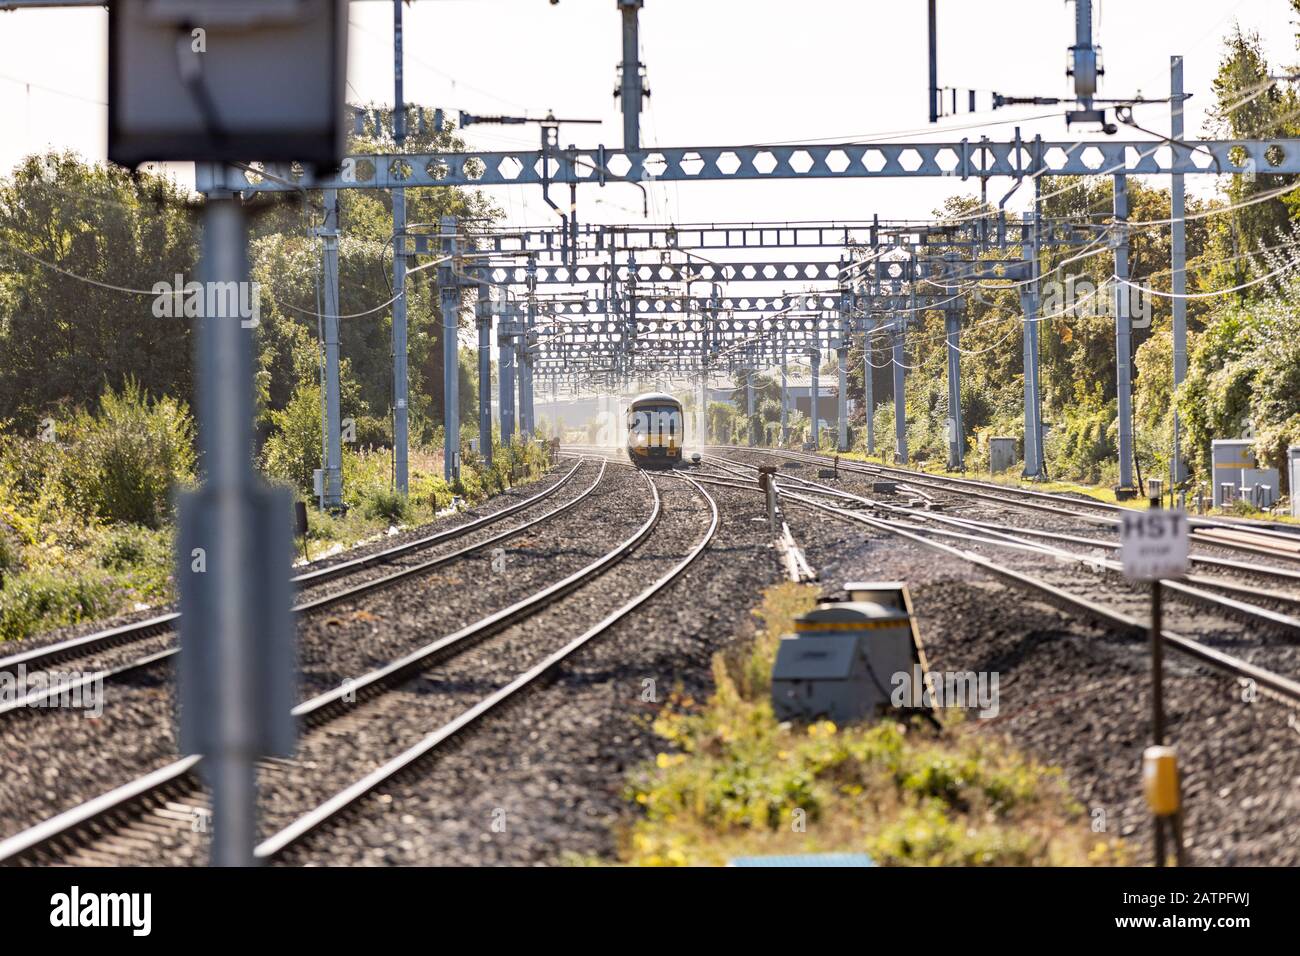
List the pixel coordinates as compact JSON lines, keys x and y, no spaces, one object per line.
{"x":814,"y":495}
{"x":1239,"y":535}
{"x":132,"y":823}
{"x":1250,"y":569}
{"x":159,"y":632}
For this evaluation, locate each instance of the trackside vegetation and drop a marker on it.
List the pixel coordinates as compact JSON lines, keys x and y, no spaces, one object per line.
{"x":87,"y":511}
{"x":733,"y":781}
{"x":96,"y":389}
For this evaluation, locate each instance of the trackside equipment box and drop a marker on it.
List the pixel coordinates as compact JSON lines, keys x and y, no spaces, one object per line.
{"x":1293,"y":462}
{"x":1230,"y":456}
{"x":843,"y":660}
{"x":1002,"y":454}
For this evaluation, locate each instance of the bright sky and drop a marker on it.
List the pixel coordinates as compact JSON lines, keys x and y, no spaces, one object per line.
{"x":721,"y":71}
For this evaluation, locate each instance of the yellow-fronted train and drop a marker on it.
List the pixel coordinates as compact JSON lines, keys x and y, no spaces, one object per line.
{"x":655,"y":431}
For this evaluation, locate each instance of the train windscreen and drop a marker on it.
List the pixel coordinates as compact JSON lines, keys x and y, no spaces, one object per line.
{"x":655,"y":426}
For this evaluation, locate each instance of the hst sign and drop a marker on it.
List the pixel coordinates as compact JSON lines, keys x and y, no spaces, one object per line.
{"x":1153,"y":544}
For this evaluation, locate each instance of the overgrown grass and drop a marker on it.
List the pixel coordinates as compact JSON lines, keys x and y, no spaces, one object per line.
{"x":65,"y":558}
{"x":733,"y":781}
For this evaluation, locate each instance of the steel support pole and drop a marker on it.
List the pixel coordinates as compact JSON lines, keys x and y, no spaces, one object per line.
{"x":815,"y":361}
{"x":956,"y":433}
{"x":710,"y":320}
{"x":526,"y":412}
{"x":449,"y":294}
{"x":401,"y":395}
{"x":1178,"y":263}
{"x":401,"y":420}
{"x":900,"y":391}
{"x":749,"y":405}
{"x":526,"y":418}
{"x":869,"y":390}
{"x":506,"y":381}
{"x":842,"y":401}
{"x":630,"y":87}
{"x":332,"y":485}
{"x":785,"y":402}
{"x":484,"y":317}
{"x":225,"y":419}
{"x":1123,"y":334}
{"x":704,"y":407}
{"x":934,"y":62}
{"x":1033,"y":399}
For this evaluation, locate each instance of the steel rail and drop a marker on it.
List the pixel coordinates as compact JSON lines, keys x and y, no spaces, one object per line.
{"x":311,"y":711}
{"x":1244,"y":525}
{"x":339,"y":803}
{"x":1203,"y":528}
{"x":65,"y":829}
{"x":1191,"y":588}
{"x":1226,"y":564}
{"x":36,"y":698}
{"x":1282,"y":687}
{"x":57,"y":652}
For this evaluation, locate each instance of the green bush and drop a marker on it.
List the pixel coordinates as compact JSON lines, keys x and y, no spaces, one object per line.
{"x":392,"y":506}
{"x":139,"y":558}
{"x":293,"y":452}
{"x":1078,"y":447}
{"x":11,"y":555}
{"x":41,"y":600}
{"x":123,"y":463}
{"x":734,"y":778}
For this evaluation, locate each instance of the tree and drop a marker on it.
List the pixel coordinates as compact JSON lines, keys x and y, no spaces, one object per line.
{"x":65,"y":339}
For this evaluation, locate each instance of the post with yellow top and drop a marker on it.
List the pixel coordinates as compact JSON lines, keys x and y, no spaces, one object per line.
{"x":1153,"y":546}
{"x":1163,"y":792}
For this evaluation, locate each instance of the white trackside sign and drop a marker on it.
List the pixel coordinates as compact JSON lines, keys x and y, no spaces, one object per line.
{"x":1153,"y":544}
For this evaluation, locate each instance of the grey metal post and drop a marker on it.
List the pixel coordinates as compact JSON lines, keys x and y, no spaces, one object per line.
{"x":524,"y":363}
{"x":956,"y":433}
{"x":401,"y":421}
{"x":1033,"y":400}
{"x":226,"y":418}
{"x":842,"y":403}
{"x":815,"y":360}
{"x":785,"y":401}
{"x":555,"y":407}
{"x":900,"y":390}
{"x":710,"y":320}
{"x":749,"y":405}
{"x":401,"y":393}
{"x":332,"y":485}
{"x":630,"y":88}
{"x":449,"y":290}
{"x":526,"y":411}
{"x":869,"y":386}
{"x":1178,"y":260}
{"x":485,"y":372}
{"x":506,"y":379}
{"x":234,"y":546}
{"x":704,"y":406}
{"x":1123,"y":334}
